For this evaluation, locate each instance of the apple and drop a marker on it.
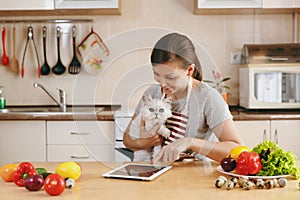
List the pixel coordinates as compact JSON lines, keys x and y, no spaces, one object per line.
{"x":228,"y":164}
{"x":34,"y":183}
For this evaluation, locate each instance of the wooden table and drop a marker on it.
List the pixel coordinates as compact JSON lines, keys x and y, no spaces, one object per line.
{"x":194,"y":180}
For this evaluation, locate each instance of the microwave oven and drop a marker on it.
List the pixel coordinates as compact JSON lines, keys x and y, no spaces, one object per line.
{"x":269,"y":86}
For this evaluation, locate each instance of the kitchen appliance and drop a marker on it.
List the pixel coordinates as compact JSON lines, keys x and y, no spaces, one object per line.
{"x":269,"y":76}
{"x":122,"y":119}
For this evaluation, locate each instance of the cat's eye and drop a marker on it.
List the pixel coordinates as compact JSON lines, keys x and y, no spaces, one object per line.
{"x":161,"y":110}
{"x":151,"y":109}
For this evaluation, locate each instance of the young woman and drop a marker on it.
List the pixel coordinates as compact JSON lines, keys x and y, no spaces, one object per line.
{"x":201,"y":122}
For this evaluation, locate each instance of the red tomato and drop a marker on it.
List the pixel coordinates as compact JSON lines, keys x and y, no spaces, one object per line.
{"x":54,"y":184}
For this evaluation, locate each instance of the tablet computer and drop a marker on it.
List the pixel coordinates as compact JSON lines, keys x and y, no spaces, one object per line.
{"x":144,"y":172}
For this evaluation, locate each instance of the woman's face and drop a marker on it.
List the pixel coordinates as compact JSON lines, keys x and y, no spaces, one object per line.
{"x":171,"y":77}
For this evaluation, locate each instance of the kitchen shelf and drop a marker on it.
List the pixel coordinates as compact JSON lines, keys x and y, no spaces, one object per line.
{"x":49,"y":21}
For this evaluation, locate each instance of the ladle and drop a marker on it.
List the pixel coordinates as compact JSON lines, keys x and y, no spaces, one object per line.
{"x":45,"y":69}
{"x":58,"y":68}
{"x":14,"y":63}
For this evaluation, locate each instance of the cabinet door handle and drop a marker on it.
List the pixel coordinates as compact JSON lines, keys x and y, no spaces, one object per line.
{"x":276,"y":136}
{"x":79,"y":133}
{"x":265,"y":135}
{"x":80,"y":157}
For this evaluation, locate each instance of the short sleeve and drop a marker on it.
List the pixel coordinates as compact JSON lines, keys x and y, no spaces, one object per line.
{"x":216,"y":109}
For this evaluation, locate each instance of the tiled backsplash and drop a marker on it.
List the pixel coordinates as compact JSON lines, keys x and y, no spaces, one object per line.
{"x":130,"y":37}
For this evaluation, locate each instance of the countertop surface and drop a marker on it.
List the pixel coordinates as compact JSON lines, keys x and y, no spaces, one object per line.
{"x":191,"y":180}
{"x":239,"y":114}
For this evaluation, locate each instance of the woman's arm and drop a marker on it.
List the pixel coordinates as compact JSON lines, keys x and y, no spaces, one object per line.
{"x":228,"y":139}
{"x":147,"y":139}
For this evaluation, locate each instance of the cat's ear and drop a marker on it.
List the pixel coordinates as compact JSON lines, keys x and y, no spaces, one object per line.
{"x":168,"y":100}
{"x":146,"y":99}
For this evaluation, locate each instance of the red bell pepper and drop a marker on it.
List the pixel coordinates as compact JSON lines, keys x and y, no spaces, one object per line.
{"x":24,"y":169}
{"x":248,"y":163}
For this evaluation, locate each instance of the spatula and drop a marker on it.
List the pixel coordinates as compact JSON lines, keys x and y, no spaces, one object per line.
{"x":14,"y":63}
{"x":74,"y":67}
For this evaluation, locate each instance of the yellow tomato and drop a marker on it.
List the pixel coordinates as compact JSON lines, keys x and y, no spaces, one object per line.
{"x":235,"y":152}
{"x":7,"y":172}
{"x":69,"y":170}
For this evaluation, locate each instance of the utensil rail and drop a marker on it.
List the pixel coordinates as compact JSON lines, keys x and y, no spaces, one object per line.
{"x":55,"y":21}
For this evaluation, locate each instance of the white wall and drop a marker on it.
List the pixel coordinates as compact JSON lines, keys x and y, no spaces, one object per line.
{"x":130,"y":38}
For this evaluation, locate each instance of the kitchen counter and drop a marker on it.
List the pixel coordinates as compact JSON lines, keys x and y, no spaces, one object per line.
{"x":192,"y":180}
{"x":106,"y":113}
{"x":239,"y":114}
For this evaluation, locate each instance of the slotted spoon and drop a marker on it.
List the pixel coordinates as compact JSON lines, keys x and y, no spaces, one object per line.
{"x":74,"y":67}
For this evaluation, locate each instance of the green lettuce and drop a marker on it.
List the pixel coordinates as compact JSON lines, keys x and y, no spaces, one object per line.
{"x":275,"y":161}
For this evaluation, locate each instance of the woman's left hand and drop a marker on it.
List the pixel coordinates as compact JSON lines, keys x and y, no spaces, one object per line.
{"x":172,"y":151}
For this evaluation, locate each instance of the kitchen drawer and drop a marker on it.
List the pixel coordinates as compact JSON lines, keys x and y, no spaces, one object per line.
{"x":80,"y":132}
{"x":80,"y":153}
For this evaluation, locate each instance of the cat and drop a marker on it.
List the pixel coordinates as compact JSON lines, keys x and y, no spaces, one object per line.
{"x":152,"y":111}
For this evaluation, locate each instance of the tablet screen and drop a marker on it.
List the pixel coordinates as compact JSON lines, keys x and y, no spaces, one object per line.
{"x":137,"y":171}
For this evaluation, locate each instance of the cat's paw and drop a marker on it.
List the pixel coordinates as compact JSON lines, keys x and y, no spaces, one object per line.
{"x":163,"y":131}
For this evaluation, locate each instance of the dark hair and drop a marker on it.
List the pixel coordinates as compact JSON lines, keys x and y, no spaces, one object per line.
{"x":178,"y":46}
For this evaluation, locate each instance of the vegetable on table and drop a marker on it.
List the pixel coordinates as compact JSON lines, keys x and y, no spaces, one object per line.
{"x":236,"y":151}
{"x":69,"y":170}
{"x":248,"y":163}
{"x":54,"y":184}
{"x":275,"y":161}
{"x":42,"y":171}
{"x":7,"y":172}
{"x":24,"y":169}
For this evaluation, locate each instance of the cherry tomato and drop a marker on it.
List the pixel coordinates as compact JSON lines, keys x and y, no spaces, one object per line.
{"x":7,"y":172}
{"x":54,"y":184}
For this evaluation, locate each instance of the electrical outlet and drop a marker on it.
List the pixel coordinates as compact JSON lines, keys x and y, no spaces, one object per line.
{"x":235,"y":57}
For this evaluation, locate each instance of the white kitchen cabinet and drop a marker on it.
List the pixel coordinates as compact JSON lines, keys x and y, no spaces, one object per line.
{"x":285,"y":132}
{"x":211,"y":4}
{"x":86,"y":4}
{"x":281,"y":3}
{"x":22,"y":141}
{"x":80,"y":141}
{"x":253,"y":132}
{"x":288,"y":134}
{"x":27,"y":5}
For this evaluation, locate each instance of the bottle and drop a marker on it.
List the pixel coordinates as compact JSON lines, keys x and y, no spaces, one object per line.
{"x":2,"y":99}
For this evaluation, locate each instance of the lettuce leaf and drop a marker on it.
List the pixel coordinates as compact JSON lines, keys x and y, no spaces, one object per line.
{"x":275,"y":161}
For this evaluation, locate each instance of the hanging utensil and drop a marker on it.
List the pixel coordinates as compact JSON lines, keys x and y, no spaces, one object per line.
{"x":14,"y":63}
{"x":58,"y":68}
{"x":30,"y":37}
{"x":94,"y":53}
{"x":45,"y":69}
{"x":74,"y":67}
{"x":5,"y":59}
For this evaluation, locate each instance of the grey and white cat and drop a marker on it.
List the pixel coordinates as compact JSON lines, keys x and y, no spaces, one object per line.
{"x":152,"y":111}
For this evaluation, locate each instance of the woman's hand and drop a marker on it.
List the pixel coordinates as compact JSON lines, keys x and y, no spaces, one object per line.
{"x":172,"y":151}
{"x":147,"y":139}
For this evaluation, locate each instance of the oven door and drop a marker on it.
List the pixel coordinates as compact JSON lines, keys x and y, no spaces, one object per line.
{"x":122,"y":154}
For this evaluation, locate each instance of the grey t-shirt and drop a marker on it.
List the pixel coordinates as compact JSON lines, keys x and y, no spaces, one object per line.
{"x":206,"y":110}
